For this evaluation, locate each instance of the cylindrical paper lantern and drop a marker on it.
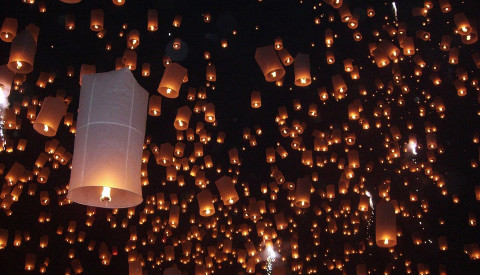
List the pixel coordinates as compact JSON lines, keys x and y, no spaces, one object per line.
{"x":155,"y":105}
{"x":385,"y":224}
{"x":52,"y":111}
{"x":183,"y":117}
{"x":9,"y":29}
{"x":96,"y":20}
{"x":269,"y":63}
{"x":152,"y":18}
{"x":172,"y":80}
{"x":22,"y":53}
{"x":301,"y":68}
{"x":205,"y":203}
{"x":302,"y":193}
{"x":108,"y":145}
{"x":227,"y":191}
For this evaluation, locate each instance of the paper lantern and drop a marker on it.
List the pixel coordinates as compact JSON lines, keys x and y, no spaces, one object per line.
{"x":130,"y":59}
{"x":462,"y":24}
{"x":334,"y":3}
{"x":9,"y":29}
{"x":133,"y":39}
{"x":108,"y":145}
{"x":385,"y":224}
{"x":302,"y":193}
{"x":172,"y":80}
{"x":227,"y":191}
{"x":211,"y":73}
{"x":155,"y":105}
{"x":152,"y":20}
{"x":183,"y":117}
{"x":445,"y":6}
{"x":269,"y":63}
{"x":52,"y":111}
{"x":71,"y":1}
{"x":96,"y":20}
{"x":301,"y":68}
{"x":205,"y":203}
{"x":22,"y":53}
{"x":3,"y":238}
{"x":210,"y":112}
{"x":30,"y":261}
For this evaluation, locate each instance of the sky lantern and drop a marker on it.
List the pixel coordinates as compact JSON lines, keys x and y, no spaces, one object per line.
{"x":96,"y":20}
{"x":269,"y":63}
{"x":52,"y":111}
{"x":462,"y":23}
{"x":385,"y":225}
{"x":9,"y":29}
{"x":22,"y":53}
{"x":172,"y":80}
{"x":302,"y":70}
{"x":205,"y":203}
{"x":102,"y":182}
{"x":183,"y":117}
{"x":152,"y":20}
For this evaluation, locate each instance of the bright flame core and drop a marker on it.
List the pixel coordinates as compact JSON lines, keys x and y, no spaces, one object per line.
{"x":106,"y":194}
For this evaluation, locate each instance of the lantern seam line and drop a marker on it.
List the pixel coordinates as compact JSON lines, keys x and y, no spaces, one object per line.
{"x":129,"y":133}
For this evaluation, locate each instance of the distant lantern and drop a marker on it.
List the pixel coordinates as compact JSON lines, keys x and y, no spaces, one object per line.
{"x":205,"y":203}
{"x":70,"y":22}
{"x":52,"y":111}
{"x":385,"y":224}
{"x":108,"y":145}
{"x":462,"y":23}
{"x":381,"y":58}
{"x":146,"y":69}
{"x":172,"y":80}
{"x":130,"y":59}
{"x":269,"y":63}
{"x":22,"y":53}
{"x":445,"y":6}
{"x":96,"y":20}
{"x":334,"y":3}
{"x":118,"y":2}
{"x":133,"y":39}
{"x":210,"y":112}
{"x":278,"y":43}
{"x":177,"y":21}
{"x":177,"y":44}
{"x":302,"y":193}
{"x":227,"y":191}
{"x":211,"y":72}
{"x":256,"y":99}
{"x":9,"y":29}
{"x":155,"y":105}
{"x":30,"y":261}
{"x":285,"y":57}
{"x":183,"y":117}
{"x":152,"y":20}
{"x":302,"y":70}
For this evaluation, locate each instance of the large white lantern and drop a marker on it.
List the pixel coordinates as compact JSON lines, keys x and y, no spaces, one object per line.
{"x":108,"y":149}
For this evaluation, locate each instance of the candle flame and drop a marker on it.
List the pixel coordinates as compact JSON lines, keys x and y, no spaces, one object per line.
{"x":45,"y":127}
{"x":106,"y":194}
{"x":19,"y":65}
